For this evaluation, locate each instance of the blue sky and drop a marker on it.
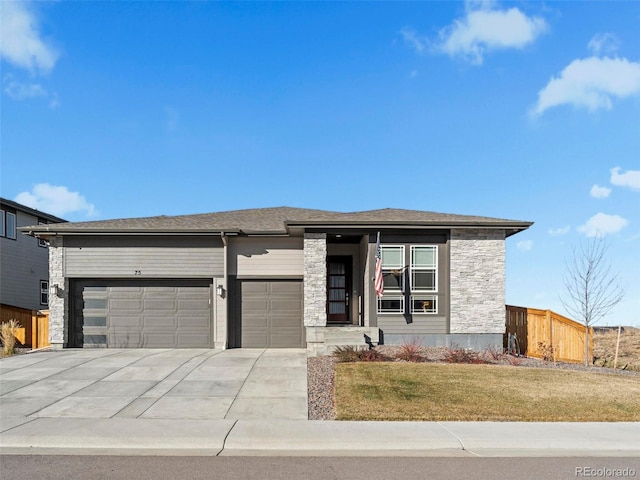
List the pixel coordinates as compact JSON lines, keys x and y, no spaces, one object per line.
{"x":526,"y":110}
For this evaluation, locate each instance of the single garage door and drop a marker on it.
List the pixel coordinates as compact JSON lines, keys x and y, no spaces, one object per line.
{"x":271,"y":314}
{"x":142,"y":314}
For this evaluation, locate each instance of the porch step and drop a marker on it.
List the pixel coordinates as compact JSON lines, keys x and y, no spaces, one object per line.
{"x":343,"y":336}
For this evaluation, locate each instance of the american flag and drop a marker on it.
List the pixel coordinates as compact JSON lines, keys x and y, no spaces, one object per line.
{"x":379,"y":284}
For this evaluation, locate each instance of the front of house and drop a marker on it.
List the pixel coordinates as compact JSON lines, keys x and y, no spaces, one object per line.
{"x":277,"y":277}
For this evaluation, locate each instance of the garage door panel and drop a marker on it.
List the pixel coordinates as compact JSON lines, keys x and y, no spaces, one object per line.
{"x":255,"y":288}
{"x":125,"y":321}
{"x":167,"y":304}
{"x":286,"y":288}
{"x":125,"y":340}
{"x":159,"y":321}
{"x":187,"y":321}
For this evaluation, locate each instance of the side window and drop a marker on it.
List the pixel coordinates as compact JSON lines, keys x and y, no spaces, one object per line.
{"x":2,"y":231}
{"x":44,"y":292}
{"x":11,"y":225}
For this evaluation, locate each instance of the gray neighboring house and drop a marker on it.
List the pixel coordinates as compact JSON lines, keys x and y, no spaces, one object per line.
{"x":24,"y":261}
{"x":278,"y":277}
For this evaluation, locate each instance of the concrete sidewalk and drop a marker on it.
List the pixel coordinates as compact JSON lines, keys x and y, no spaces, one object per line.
{"x":144,"y":436}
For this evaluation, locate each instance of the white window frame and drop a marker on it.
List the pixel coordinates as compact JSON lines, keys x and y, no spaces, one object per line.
{"x":424,"y":298}
{"x":44,"y":290}
{"x":393,"y":294}
{"x":400,"y":310}
{"x":433,"y":268}
{"x":11,"y":233}
{"x":424,"y":293}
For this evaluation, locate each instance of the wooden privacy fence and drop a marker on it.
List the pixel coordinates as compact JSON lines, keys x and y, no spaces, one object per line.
{"x":545,"y":333}
{"x":34,"y":325}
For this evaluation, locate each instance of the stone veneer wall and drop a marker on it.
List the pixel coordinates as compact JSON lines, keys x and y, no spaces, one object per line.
{"x":315,"y":279}
{"x":477,"y":281}
{"x":58,"y":305}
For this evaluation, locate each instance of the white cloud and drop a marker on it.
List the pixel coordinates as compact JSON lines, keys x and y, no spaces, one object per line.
{"x":20,"y":39}
{"x":559,"y":231}
{"x":525,"y":245}
{"x":603,"y":43}
{"x":483,"y":29}
{"x":600,"y":192}
{"x":602,"y":224}
{"x":415,"y":41}
{"x":56,"y":200}
{"x":590,"y":83}
{"x":21,"y":91}
{"x":631,"y":178}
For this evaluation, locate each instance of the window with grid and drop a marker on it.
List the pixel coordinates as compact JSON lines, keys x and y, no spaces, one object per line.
{"x":424,"y":278}
{"x":44,"y":292}
{"x":393,"y":278}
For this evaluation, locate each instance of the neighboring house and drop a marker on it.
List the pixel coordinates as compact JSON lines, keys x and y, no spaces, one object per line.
{"x":24,"y":261}
{"x":278,"y":277}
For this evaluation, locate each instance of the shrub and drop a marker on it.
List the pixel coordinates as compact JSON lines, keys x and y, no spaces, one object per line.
{"x":349,"y":353}
{"x":494,"y":353}
{"x":547,"y":351}
{"x":411,"y":351}
{"x":455,"y":354}
{"x":8,"y":332}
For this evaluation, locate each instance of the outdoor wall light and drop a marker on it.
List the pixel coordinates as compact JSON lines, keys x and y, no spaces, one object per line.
{"x":57,"y":291}
{"x":220,"y":290}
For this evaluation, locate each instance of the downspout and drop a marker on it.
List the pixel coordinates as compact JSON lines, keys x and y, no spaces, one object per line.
{"x":225,"y":245}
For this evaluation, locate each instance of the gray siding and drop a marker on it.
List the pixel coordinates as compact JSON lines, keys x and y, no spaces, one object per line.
{"x":420,"y":325}
{"x":23,"y":264}
{"x":144,"y":257}
{"x":265,"y":257}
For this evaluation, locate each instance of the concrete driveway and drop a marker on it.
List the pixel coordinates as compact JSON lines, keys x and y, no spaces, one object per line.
{"x":234,"y":384}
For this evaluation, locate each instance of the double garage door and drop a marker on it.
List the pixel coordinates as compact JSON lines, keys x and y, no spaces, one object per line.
{"x":141,"y":314}
{"x":178,"y":314}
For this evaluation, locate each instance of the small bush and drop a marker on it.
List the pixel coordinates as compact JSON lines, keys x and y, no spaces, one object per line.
{"x":8,"y":332}
{"x":349,"y":353}
{"x":455,"y":354}
{"x":547,"y":351}
{"x":411,"y":351}
{"x":513,"y":360}
{"x":494,"y":353}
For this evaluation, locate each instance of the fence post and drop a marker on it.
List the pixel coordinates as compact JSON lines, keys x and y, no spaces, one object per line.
{"x":34,"y":329}
{"x":549,"y":321}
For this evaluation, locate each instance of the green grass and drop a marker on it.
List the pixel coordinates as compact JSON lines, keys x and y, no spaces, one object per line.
{"x":453,"y":392}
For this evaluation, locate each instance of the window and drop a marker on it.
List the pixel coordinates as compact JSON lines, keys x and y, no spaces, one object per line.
{"x":424,"y":304}
{"x":409,"y":277}
{"x":11,"y":225}
{"x":44,"y":292}
{"x":424,"y":268}
{"x":41,"y":242}
{"x":393,"y":278}
{"x":1,"y":223}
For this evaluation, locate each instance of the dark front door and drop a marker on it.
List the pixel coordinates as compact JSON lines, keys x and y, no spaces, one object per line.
{"x":338,"y":289}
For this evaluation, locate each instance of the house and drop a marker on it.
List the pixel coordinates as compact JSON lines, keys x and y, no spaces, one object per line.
{"x":278,"y":277}
{"x":24,"y":261}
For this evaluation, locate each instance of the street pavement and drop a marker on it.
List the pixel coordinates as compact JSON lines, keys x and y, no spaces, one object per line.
{"x":239,"y":403}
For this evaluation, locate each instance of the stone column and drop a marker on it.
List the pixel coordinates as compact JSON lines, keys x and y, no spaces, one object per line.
{"x":58,"y":297}
{"x":477,"y":281}
{"x":315,"y":279}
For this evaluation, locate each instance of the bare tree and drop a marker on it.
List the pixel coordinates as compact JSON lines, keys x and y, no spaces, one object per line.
{"x":592,"y":289}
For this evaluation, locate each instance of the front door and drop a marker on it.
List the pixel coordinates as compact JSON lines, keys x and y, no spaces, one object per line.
{"x":338,"y":289}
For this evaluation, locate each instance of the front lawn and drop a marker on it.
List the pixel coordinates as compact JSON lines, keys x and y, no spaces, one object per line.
{"x":455,"y":392}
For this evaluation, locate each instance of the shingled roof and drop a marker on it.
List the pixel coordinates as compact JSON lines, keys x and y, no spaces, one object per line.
{"x":276,"y":221}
